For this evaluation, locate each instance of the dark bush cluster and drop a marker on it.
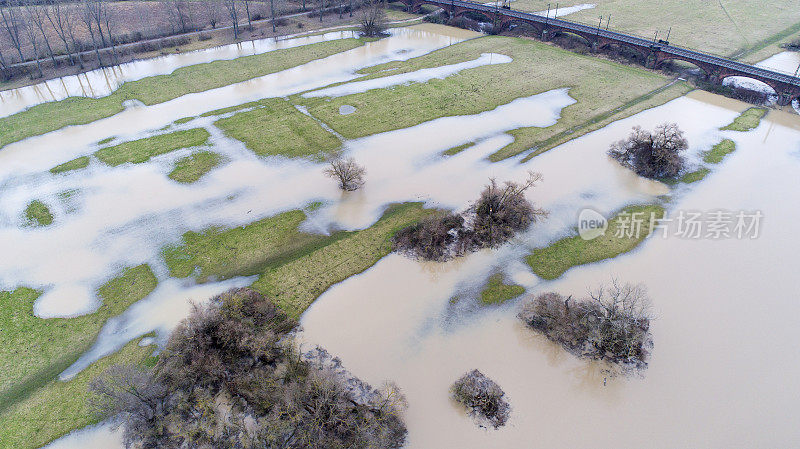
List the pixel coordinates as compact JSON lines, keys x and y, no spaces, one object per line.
{"x":483,"y":397}
{"x":499,"y":213}
{"x":612,"y":325}
{"x":231,"y":377}
{"x":652,"y":154}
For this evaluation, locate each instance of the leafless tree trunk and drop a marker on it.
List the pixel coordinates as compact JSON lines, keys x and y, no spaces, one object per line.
{"x":4,"y":67}
{"x":34,"y":39}
{"x":88,"y":20}
{"x":105,"y":17}
{"x":351,"y":8}
{"x":11,"y":25}
{"x":272,"y":13}
{"x":36,"y":16}
{"x":61,"y":21}
{"x":181,"y":8}
{"x":321,"y":9}
{"x":230,"y":5}
{"x":249,"y":20}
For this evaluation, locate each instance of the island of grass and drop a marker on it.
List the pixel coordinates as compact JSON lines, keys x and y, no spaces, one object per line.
{"x":139,"y":151}
{"x":75,"y":164}
{"x":276,"y":127}
{"x":695,"y":176}
{"x":498,"y":292}
{"x":46,"y":117}
{"x":191,"y":168}
{"x":294,"y":267}
{"x":455,"y":150}
{"x":716,"y":154}
{"x":612,"y":91}
{"x":38,"y":214}
{"x":748,"y":120}
{"x":554,"y":260}
{"x":35,"y":406}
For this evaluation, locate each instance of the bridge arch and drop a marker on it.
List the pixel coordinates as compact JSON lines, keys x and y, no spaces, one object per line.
{"x":660,"y":60}
{"x":630,"y":52}
{"x":556,"y":32}
{"x":746,"y":82}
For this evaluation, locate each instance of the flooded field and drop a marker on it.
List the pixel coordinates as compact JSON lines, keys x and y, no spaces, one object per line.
{"x":722,"y":370}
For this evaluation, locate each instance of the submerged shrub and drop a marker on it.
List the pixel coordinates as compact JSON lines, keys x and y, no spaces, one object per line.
{"x":652,"y":155}
{"x":483,"y":397}
{"x":499,"y":213}
{"x":612,"y":325}
{"x":349,"y":174}
{"x":432,"y":238}
{"x":230,"y":376}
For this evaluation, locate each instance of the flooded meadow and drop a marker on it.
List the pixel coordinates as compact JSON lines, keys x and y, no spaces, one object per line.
{"x":723,"y":364}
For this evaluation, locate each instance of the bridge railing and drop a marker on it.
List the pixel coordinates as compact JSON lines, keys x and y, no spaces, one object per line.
{"x":631,"y":38}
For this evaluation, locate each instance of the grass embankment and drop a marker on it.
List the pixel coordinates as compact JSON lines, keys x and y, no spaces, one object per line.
{"x":747,"y":121}
{"x":554,"y":260}
{"x":191,"y":168}
{"x":58,"y":408}
{"x":294,"y":267}
{"x":34,"y":406}
{"x":33,"y":349}
{"x":38,"y":214}
{"x":725,"y":28}
{"x":716,"y":154}
{"x":75,"y":164}
{"x":138,"y":151}
{"x":536,"y":67}
{"x":498,"y":292}
{"x":276,"y":127}
{"x":48,"y":117}
{"x":455,"y":150}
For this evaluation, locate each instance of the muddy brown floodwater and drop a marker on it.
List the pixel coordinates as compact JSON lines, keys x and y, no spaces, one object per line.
{"x":724,"y":366}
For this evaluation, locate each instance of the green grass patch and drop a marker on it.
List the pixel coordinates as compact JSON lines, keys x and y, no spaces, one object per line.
{"x":537,"y":67}
{"x":277,"y":128}
{"x":191,"y":168}
{"x":498,"y":292}
{"x":223,"y":253}
{"x":455,"y":150}
{"x":181,"y":121}
{"x":105,"y":141}
{"x":75,"y":164}
{"x":33,"y":350}
{"x":296,"y":281}
{"x":51,"y":116}
{"x":554,"y":260}
{"x":695,"y":176}
{"x":57,"y":408}
{"x":138,"y":151}
{"x":716,"y":154}
{"x":747,"y":120}
{"x":38,"y":214}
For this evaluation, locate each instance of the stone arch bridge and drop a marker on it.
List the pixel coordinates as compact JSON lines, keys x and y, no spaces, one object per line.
{"x":653,"y":53}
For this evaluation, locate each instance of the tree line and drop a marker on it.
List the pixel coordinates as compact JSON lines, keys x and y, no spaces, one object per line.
{"x":73,"y":32}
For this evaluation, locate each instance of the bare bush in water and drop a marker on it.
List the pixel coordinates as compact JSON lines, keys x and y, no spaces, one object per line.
{"x":613,"y":324}
{"x":652,"y":155}
{"x":230,"y":376}
{"x":483,"y":397}
{"x":499,"y":213}
{"x":349,"y":174}
{"x":373,"y":18}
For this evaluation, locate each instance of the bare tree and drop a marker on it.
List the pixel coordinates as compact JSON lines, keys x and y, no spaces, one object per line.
{"x":11,"y":23}
{"x":501,"y":211}
{"x":612,"y":324}
{"x":211,"y":12}
{"x":4,"y":67}
{"x":373,"y":18}
{"x":233,"y":12}
{"x":348,"y":172}
{"x":87,"y":18}
{"x":249,"y":19}
{"x":30,"y":31}
{"x":652,"y":155}
{"x":106,"y":17}
{"x":272,"y":13}
{"x":321,"y":9}
{"x":61,"y":19}
{"x":35,"y":14}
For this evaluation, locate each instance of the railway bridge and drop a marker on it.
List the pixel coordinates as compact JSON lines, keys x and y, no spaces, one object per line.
{"x":653,"y":53}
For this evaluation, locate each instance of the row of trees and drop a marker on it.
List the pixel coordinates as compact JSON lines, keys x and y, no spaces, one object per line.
{"x":64,"y":31}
